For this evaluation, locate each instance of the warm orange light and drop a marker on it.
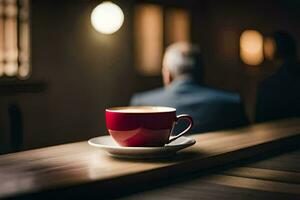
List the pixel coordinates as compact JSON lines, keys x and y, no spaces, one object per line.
{"x":24,"y":71}
{"x":177,"y":25}
{"x":2,"y":51}
{"x":269,"y":48}
{"x":251,"y":47}
{"x":148,"y":35}
{"x":15,"y":38}
{"x":11,"y":69}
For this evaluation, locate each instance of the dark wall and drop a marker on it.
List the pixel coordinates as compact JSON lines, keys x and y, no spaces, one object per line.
{"x":217,"y":28}
{"x":86,"y":72}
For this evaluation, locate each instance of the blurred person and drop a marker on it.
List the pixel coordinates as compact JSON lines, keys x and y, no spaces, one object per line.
{"x":279,"y":95}
{"x":182,"y":73}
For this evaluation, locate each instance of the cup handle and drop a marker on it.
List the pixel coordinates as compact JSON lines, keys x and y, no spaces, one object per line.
{"x":186,"y":117}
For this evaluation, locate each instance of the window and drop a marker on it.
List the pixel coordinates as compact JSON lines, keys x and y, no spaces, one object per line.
{"x":177,"y":25}
{"x":154,"y":27}
{"x":14,"y":39}
{"x":148,"y":32}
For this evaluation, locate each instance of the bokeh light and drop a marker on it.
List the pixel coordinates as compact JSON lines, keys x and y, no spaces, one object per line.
{"x":107,"y":17}
{"x":251,"y":47}
{"x":269,"y":48}
{"x":24,"y":71}
{"x":11,"y":69}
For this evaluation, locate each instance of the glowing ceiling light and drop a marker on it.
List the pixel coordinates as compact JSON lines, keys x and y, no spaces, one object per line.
{"x":107,"y":17}
{"x":251,"y":47}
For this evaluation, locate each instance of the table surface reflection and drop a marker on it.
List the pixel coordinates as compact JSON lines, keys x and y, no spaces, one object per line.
{"x":78,"y":170}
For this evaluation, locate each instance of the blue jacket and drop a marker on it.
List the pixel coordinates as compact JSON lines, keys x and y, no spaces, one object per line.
{"x":211,"y":109}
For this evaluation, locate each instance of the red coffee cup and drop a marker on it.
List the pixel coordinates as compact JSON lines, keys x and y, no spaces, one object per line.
{"x":137,"y":126}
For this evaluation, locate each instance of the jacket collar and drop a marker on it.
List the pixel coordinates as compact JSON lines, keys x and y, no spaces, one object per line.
{"x":181,"y":82}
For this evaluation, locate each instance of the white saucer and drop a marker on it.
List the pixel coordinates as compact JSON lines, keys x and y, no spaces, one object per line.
{"x":107,"y":144}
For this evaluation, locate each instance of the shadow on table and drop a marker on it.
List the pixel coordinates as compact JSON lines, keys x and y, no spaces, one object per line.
{"x":178,"y":157}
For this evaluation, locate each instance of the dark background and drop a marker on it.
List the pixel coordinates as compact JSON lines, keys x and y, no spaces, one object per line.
{"x":85,"y":72}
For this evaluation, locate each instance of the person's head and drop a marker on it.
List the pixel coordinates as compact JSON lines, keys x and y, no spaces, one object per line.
{"x":280,"y":46}
{"x":182,"y":59}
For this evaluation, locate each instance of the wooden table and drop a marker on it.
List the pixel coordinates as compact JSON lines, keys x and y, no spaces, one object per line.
{"x":79,"y":171}
{"x":277,"y":177}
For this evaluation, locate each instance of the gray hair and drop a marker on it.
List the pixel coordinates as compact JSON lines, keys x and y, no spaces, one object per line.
{"x":183,"y":58}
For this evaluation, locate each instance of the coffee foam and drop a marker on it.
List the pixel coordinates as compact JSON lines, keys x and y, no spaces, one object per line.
{"x":141,"y":109}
